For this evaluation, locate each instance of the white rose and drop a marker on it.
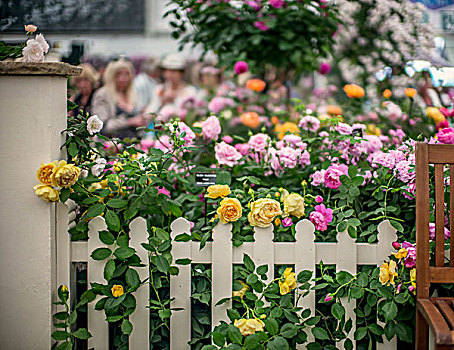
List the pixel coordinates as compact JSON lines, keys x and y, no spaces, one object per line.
{"x":98,"y":167}
{"x":33,"y":52}
{"x":94,"y":125}
{"x":40,"y":38}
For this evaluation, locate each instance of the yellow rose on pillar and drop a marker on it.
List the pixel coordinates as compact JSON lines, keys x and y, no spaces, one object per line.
{"x":47,"y":193}
{"x":64,"y":175}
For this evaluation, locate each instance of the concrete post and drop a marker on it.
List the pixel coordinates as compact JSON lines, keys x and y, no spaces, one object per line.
{"x":33,"y":115}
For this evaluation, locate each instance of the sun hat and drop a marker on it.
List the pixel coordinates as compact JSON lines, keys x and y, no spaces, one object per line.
{"x":173,"y":61}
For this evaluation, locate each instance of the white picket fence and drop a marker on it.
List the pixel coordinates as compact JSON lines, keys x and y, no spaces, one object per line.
{"x":304,"y":254}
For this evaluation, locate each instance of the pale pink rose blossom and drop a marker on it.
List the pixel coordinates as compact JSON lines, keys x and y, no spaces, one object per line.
{"x":318,"y":177}
{"x":258,"y":142}
{"x":33,"y":52}
{"x":40,"y":38}
{"x":226,"y":154}
{"x":243,"y":148}
{"x":211,"y":128}
{"x":309,"y":123}
{"x":228,"y":139}
{"x":286,"y":222}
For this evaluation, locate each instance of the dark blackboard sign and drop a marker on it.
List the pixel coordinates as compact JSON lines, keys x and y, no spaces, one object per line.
{"x":205,"y":179}
{"x":73,"y":16}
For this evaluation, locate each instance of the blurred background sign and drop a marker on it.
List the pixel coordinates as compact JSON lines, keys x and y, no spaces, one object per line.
{"x":73,"y":16}
{"x":435,"y":4}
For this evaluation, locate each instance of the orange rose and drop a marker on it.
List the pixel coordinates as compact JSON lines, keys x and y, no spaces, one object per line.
{"x":387,"y":93}
{"x":334,"y":110}
{"x":274,"y":120}
{"x":354,"y":91}
{"x":281,"y":129}
{"x":410,"y":92}
{"x":255,"y":84}
{"x":250,"y":119}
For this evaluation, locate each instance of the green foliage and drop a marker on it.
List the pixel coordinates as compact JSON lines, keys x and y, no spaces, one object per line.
{"x":296,"y":38}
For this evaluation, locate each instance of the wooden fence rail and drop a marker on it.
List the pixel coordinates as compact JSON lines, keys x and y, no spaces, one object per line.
{"x":304,"y":254}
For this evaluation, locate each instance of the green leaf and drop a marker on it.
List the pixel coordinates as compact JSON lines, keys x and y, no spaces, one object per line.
{"x":234,"y":334}
{"x":313,"y":321}
{"x":360,"y":333}
{"x":106,"y":237}
{"x":183,"y":261}
{"x":248,"y":263}
{"x":95,"y":210}
{"x":337,"y":310}
{"x":251,"y":279}
{"x":356,"y":292}
{"x":343,"y":277}
{"x":390,"y":330}
{"x":404,"y":332}
{"x":342,"y":226}
{"x":352,"y":232}
{"x":376,"y":329}
{"x":304,"y":276}
{"x":101,"y":253}
{"x":64,"y":195}
{"x":72,"y":149}
{"x":218,"y":339}
{"x":320,"y":333}
{"x":261,"y":270}
{"x":132,"y":278}
{"x":61,"y":315}
{"x":162,"y":264}
{"x":251,"y":341}
{"x":82,"y":333}
{"x":362,"y":279}
{"x":114,"y":318}
{"x":354,"y":191}
{"x":357,"y":180}
{"x":117,"y":203}
{"x":112,"y":221}
{"x":60,"y":335}
{"x":100,"y":304}
{"x":397,"y":225}
{"x":224,"y":178}
{"x":352,"y":171}
{"x":233,"y":314}
{"x":348,"y":344}
{"x":354,"y":222}
{"x":278,"y":343}
{"x":126,"y":327}
{"x":272,"y":326}
{"x":289,"y":330}
{"x":124,"y":253}
{"x":389,"y":311}
{"x":163,"y":314}
{"x":109,"y":270}
{"x":65,"y":346}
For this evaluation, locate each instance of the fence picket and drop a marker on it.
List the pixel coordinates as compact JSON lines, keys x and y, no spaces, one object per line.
{"x":305,"y":260}
{"x":180,"y":288}
{"x":140,"y":319}
{"x":222,"y":269}
{"x":263,"y":250}
{"x":95,"y":273}
{"x":346,"y":260}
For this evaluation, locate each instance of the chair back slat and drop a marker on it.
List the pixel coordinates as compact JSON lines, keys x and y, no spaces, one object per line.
{"x":451,"y":213}
{"x":441,"y":154}
{"x":422,"y":220}
{"x":439,"y":216}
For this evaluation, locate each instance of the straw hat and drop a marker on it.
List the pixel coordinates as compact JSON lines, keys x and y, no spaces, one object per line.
{"x":173,"y":61}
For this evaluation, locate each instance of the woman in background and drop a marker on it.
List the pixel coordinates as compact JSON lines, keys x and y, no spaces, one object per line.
{"x":86,"y":84}
{"x":115,"y":103}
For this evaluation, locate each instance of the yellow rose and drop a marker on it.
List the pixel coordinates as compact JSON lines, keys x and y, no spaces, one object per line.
{"x":64,"y":175}
{"x":216,"y":191}
{"x":282,"y":129}
{"x":240,"y":293}
{"x":47,"y":193}
{"x":289,"y":281}
{"x":45,"y":171}
{"x":229,"y":210}
{"x":387,"y":93}
{"x":294,"y":205}
{"x":372,"y":129}
{"x":117,"y":290}
{"x":435,"y":114}
{"x":402,"y":253}
{"x":64,"y":288}
{"x":249,"y":326}
{"x":410,"y":92}
{"x":388,"y":272}
{"x":263,"y":212}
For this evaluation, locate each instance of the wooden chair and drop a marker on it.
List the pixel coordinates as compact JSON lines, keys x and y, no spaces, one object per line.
{"x":438,"y":313}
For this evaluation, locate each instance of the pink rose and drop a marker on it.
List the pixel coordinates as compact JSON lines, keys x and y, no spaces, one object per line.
{"x":446,"y":135}
{"x":261,"y":25}
{"x":243,"y":148}
{"x":396,"y":245}
{"x":164,"y":191}
{"x":446,"y":232}
{"x":333,"y":174}
{"x":218,"y":104}
{"x":318,"y":177}
{"x":226,"y":154}
{"x":228,"y":139}
{"x":321,"y":217}
{"x":211,"y":128}
{"x":287,"y":222}
{"x":328,"y":297}
{"x":319,"y":199}
{"x":324,"y":68}
{"x":310,"y":123}
{"x":288,"y":157}
{"x":240,"y":67}
{"x":258,"y":142}
{"x":277,"y":3}
{"x":410,"y":259}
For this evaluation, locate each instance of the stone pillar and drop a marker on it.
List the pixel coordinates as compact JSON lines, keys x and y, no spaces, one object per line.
{"x":33,"y":115}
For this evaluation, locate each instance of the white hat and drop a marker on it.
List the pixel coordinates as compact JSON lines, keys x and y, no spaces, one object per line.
{"x":173,"y":61}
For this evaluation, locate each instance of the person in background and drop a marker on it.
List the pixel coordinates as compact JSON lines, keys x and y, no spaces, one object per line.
{"x":115,"y":102}
{"x":146,"y":82}
{"x":210,"y":80}
{"x":173,"y":91}
{"x":86,"y":84}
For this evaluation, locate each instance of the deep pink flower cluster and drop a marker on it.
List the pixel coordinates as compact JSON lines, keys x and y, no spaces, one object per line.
{"x":321,"y":217}
{"x":333,"y":174}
